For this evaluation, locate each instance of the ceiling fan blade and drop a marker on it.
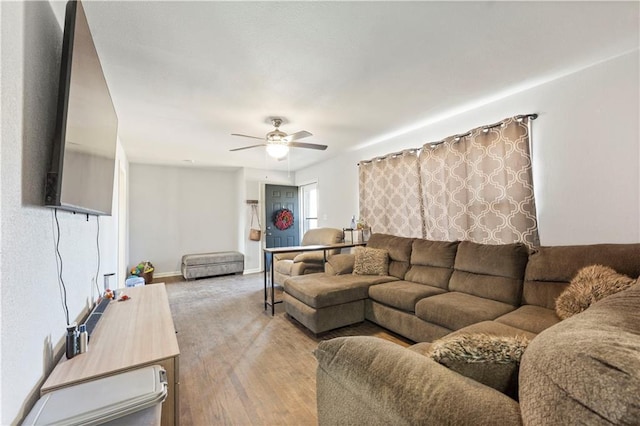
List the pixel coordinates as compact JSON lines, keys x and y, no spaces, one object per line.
{"x":247,"y":136}
{"x":308,"y":145}
{"x":247,"y":147}
{"x":297,"y":136}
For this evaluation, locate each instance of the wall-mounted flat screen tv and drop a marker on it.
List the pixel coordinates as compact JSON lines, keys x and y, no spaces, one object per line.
{"x":81,"y":174}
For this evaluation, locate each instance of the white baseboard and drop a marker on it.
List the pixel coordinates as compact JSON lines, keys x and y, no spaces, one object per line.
{"x":173,"y":274}
{"x":167,"y":274}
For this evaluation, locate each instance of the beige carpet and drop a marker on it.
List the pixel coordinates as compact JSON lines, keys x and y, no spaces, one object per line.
{"x":238,"y":364}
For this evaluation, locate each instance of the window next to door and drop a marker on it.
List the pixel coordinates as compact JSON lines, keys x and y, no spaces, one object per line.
{"x":309,"y":206}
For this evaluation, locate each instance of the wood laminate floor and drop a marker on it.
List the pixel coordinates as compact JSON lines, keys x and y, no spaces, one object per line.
{"x":238,"y":364}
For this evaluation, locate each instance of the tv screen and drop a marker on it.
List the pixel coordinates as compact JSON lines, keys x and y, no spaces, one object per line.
{"x":81,"y":174}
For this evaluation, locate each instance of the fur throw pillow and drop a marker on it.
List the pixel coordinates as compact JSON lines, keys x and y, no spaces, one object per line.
{"x":591,"y":283}
{"x":371,"y":261}
{"x":477,"y":348}
{"x":491,"y":360}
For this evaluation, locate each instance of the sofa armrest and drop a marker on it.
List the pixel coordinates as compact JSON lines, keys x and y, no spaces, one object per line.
{"x":340,"y":264}
{"x":310,"y":257}
{"x":285,"y":256}
{"x":367,"y":380}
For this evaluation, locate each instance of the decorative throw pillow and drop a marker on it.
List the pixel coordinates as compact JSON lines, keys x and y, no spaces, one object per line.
{"x":591,"y":283}
{"x":479,"y":348}
{"x":371,"y":261}
{"x":491,"y":360}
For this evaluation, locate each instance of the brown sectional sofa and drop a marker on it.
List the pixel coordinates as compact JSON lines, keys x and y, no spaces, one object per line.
{"x":584,"y":370}
{"x":435,"y":287}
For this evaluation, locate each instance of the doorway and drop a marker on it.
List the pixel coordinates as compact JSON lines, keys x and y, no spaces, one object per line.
{"x":278,"y":197}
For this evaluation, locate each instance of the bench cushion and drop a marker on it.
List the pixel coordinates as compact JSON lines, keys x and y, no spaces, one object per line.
{"x":211,"y":264}
{"x":209,"y":258}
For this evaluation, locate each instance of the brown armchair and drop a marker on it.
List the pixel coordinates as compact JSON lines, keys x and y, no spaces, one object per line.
{"x":300,"y":263}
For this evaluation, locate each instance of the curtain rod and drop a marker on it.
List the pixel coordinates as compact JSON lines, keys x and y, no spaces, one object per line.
{"x":519,"y":118}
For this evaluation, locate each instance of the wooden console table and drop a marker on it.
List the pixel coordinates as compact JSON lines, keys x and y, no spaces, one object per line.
{"x":278,"y":250}
{"x":130,"y":335}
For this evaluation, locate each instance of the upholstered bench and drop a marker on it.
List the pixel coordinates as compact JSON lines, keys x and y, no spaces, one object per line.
{"x":211,"y":264}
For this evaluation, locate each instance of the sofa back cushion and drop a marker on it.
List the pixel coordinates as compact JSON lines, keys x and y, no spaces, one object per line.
{"x":494,"y":272}
{"x":432,"y":262}
{"x":399,"y":249}
{"x":550,"y":269}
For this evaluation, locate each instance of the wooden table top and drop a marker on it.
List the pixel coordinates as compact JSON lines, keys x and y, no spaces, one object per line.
{"x":314,"y":247}
{"x":136,"y":332}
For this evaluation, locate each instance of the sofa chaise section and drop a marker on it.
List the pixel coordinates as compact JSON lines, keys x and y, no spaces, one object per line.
{"x":332,"y":302}
{"x":322,"y":302}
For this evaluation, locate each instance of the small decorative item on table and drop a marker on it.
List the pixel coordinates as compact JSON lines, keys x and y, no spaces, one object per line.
{"x":365,"y":230}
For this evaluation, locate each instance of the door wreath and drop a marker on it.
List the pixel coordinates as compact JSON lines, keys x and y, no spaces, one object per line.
{"x":283,"y":219}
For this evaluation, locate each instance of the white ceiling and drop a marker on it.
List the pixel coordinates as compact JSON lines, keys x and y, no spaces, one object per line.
{"x":185,"y":75}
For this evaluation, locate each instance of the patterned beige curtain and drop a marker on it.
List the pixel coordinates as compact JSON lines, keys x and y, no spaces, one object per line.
{"x":390,"y":194}
{"x":478,"y":186}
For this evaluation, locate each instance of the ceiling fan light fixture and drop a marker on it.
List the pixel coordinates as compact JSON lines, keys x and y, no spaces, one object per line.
{"x":277,"y":150}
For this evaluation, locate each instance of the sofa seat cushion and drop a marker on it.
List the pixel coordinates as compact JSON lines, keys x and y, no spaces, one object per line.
{"x":456,"y":310}
{"x":322,"y":290}
{"x":422,"y":348}
{"x":531,"y":318}
{"x":494,"y":328}
{"x":402,"y":294}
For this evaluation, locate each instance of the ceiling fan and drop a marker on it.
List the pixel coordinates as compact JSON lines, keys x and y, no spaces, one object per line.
{"x":278,"y":142}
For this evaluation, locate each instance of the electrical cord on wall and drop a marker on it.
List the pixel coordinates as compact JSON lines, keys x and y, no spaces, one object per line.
{"x":61,"y":285}
{"x":98,"y":249}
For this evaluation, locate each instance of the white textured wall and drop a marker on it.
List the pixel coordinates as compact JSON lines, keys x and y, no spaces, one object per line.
{"x":32,"y":319}
{"x":180,"y":210}
{"x":585,"y":158}
{"x":175,"y":211}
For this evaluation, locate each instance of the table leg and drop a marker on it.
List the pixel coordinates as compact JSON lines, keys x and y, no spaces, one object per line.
{"x":264,"y":254}
{"x":273,"y":297}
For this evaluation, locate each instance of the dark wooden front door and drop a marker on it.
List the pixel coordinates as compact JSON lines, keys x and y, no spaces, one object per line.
{"x":278,"y":197}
